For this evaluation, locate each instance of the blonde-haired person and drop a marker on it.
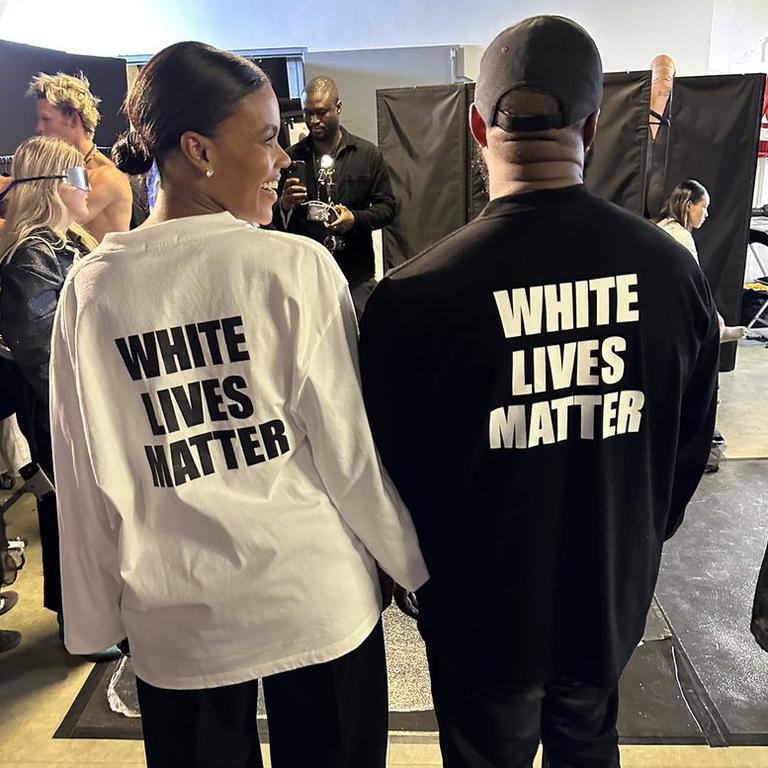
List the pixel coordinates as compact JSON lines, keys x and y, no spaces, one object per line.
{"x":67,"y":109}
{"x":38,"y":245}
{"x":4,"y":182}
{"x":686,"y":209}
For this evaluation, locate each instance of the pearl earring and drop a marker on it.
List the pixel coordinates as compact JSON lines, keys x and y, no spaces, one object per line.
{"x":209,"y":173}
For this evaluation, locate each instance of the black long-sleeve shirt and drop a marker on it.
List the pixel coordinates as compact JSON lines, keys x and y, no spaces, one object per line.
{"x":541,"y":385}
{"x":362,"y":184}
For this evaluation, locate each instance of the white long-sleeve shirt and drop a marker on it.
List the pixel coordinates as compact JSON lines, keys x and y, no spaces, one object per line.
{"x":221,"y":500}
{"x":681,"y":234}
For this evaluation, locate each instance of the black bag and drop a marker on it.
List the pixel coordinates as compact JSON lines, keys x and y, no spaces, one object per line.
{"x":760,"y":606}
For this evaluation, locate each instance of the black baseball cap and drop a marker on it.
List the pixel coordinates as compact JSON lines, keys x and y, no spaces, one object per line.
{"x":551,"y":54}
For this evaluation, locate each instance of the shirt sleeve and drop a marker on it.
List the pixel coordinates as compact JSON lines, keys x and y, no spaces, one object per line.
{"x":383,"y":205}
{"x":331,"y":407}
{"x":88,"y":530}
{"x":697,"y":420}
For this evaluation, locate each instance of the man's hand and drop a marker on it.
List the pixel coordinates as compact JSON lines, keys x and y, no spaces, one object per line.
{"x":344,"y":222}
{"x":294,"y":192}
{"x":406,"y":601}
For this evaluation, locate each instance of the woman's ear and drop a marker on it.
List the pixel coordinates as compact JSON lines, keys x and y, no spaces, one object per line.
{"x":195,"y":147}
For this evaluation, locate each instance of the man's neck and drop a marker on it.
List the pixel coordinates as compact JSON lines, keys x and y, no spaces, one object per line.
{"x":329,"y":146}
{"x":516,"y":180}
{"x":530,"y":166}
{"x":85,"y":145}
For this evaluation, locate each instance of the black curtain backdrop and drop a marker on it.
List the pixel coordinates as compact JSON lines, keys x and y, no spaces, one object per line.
{"x":423,"y":137}
{"x":616,"y":167}
{"x":20,"y":63}
{"x":713,"y":138}
{"x":436,"y":167}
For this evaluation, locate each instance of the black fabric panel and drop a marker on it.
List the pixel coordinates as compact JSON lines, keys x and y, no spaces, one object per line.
{"x":656,"y":166}
{"x":713,"y":138}
{"x":22,"y":62}
{"x":616,"y":169}
{"x":422,"y":135}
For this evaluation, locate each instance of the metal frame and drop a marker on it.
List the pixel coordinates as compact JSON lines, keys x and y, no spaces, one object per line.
{"x":295,"y":63}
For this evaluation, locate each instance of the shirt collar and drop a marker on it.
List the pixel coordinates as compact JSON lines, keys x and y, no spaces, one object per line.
{"x":530,"y":201}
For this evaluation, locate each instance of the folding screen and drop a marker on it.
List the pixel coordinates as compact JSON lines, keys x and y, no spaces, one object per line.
{"x":21,"y":62}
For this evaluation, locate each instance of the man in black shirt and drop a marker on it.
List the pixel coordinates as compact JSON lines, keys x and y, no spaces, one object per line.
{"x":541,"y":386}
{"x":361,"y":189}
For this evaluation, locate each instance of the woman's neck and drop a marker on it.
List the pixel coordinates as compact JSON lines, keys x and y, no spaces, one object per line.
{"x":171,"y":206}
{"x":63,"y":224}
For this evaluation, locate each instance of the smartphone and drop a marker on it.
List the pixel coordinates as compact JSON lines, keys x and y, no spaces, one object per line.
{"x":297,"y":170}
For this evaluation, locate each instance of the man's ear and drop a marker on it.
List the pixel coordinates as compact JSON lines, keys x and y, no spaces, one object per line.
{"x":590,"y":129}
{"x":338,"y":107}
{"x":478,"y":127}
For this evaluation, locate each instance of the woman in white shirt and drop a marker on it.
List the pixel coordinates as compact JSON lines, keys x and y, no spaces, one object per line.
{"x":686,"y":209}
{"x":221,"y":501}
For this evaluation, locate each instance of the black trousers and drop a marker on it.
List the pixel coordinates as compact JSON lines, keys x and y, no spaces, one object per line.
{"x":34,"y":424}
{"x":488,"y":726}
{"x":331,"y":715}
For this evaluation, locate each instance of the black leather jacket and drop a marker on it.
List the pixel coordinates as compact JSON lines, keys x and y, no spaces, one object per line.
{"x":30,"y":284}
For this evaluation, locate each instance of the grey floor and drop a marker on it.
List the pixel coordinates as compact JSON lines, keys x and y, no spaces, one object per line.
{"x":706,"y":587}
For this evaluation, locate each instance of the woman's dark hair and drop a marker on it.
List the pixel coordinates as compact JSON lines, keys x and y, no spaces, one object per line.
{"x":185,"y":87}
{"x":676,"y":207}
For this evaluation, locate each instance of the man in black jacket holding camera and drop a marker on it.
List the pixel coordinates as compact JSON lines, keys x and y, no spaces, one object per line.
{"x":361,"y":192}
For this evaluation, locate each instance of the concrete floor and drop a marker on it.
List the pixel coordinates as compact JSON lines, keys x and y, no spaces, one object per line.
{"x":39,"y":680}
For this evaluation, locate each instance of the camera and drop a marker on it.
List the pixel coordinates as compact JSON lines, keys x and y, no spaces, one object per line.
{"x":334,"y":243}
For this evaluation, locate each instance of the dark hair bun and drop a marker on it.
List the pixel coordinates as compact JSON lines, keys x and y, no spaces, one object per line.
{"x":131,"y":154}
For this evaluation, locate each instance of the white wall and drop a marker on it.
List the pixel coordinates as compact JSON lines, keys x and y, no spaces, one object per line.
{"x":739,"y":36}
{"x":629,"y":33}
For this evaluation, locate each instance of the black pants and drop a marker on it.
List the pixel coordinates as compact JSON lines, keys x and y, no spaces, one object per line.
{"x":331,"y":715}
{"x":34,"y":424}
{"x":485,"y":726}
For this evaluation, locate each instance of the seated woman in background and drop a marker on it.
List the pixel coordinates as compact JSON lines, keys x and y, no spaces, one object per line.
{"x":38,"y":244}
{"x":687,"y":209}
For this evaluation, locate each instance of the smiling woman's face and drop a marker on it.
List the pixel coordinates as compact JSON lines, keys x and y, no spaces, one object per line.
{"x":247,"y":159}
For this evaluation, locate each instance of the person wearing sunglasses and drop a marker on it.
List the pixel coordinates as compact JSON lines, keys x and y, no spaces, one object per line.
{"x":39,"y":243}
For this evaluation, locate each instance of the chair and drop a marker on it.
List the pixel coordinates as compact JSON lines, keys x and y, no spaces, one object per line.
{"x":759,"y":236}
